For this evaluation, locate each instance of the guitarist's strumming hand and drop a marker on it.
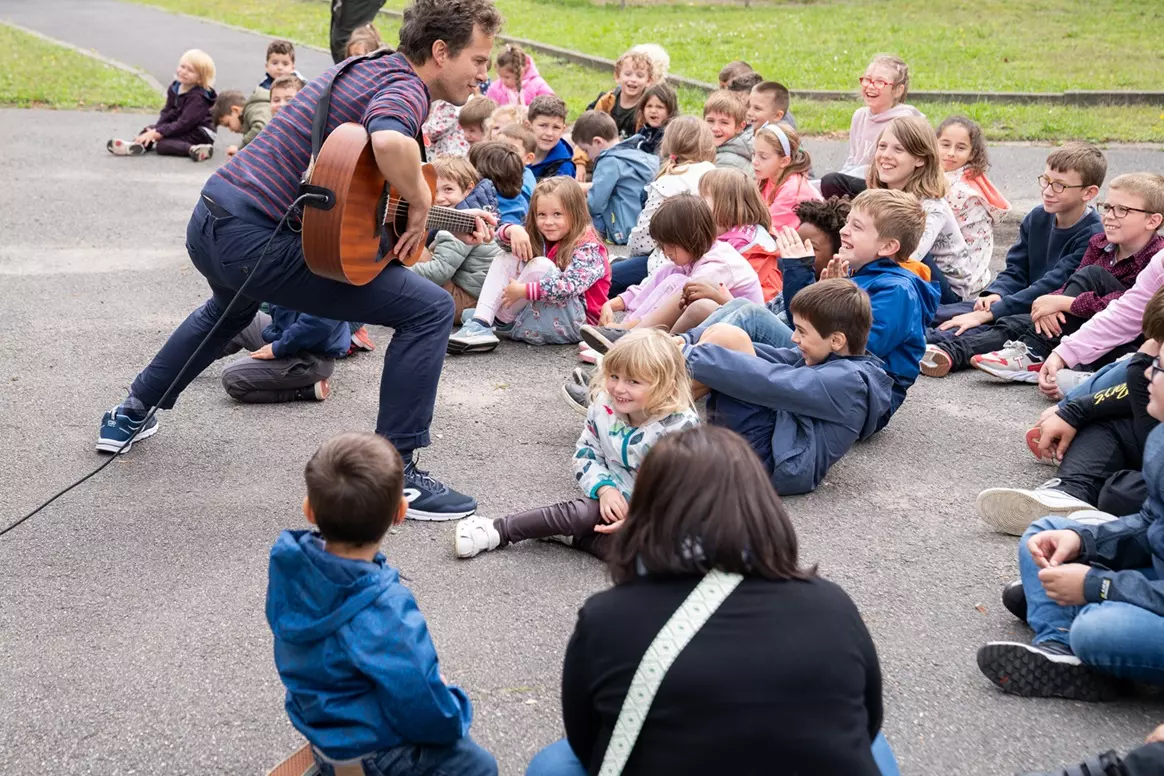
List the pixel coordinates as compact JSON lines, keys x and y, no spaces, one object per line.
{"x":416,"y":229}
{"x":483,"y":233}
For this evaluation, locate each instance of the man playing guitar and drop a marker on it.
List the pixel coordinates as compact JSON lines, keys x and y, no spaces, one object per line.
{"x":444,"y":50}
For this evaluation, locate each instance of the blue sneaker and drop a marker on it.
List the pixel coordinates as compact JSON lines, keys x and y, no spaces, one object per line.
{"x":117,"y":427}
{"x":473,"y":337}
{"x":430,"y":499}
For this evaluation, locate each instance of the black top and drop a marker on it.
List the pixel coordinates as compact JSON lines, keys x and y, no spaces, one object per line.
{"x":624,"y":118}
{"x":783,"y":679}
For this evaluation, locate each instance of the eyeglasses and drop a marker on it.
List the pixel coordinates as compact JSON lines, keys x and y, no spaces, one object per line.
{"x":1057,"y":186}
{"x":880,"y":83}
{"x":1156,"y":369}
{"x":1119,"y":211}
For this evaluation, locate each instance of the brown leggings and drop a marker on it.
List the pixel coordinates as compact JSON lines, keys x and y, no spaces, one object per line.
{"x":575,"y":518}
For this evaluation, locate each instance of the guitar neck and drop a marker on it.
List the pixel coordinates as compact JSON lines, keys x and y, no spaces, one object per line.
{"x":456,"y":221}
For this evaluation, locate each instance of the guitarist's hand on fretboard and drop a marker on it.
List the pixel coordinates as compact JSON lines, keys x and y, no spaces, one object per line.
{"x":483,"y":232}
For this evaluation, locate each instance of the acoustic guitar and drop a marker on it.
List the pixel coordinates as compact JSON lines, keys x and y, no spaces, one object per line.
{"x":343,"y":241}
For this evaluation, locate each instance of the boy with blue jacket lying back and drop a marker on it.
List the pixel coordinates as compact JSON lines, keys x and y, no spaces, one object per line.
{"x":800,"y":408}
{"x":363,"y":681}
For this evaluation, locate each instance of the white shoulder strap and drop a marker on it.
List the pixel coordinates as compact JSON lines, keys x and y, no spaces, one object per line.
{"x":698,"y":607}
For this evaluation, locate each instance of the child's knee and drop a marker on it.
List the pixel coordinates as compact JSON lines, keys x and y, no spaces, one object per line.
{"x":537,"y":267}
{"x":731,"y":337}
{"x":1108,"y":629}
{"x":702,"y":308}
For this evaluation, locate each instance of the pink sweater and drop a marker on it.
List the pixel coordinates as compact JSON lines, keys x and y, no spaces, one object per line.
{"x":792,"y":192}
{"x":863,"y":134}
{"x":722,"y":264}
{"x":532,"y":85}
{"x":1119,"y":323}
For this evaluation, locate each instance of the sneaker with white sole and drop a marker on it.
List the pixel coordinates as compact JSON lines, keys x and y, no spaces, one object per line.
{"x":1015,"y":363}
{"x":589,"y":356}
{"x":936,"y":362}
{"x":362,"y":340}
{"x":201,"y":152}
{"x":1012,"y":510}
{"x":473,"y":337}
{"x":1047,"y":670}
{"x":577,"y":397}
{"x":581,"y":375}
{"x":1092,"y":517}
{"x":124,"y":148}
{"x":601,"y":338}
{"x":1068,"y":380}
{"x":118,"y":428}
{"x":430,"y":499}
{"x":475,"y":535}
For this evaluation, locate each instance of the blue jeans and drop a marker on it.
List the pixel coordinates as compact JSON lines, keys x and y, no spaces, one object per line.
{"x":1114,"y":637}
{"x":761,"y":324}
{"x":626,"y":273}
{"x":558,"y":759}
{"x":225,"y":249}
{"x":464,"y":758}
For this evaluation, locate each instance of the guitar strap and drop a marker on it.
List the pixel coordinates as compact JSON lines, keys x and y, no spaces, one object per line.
{"x":325,"y":198}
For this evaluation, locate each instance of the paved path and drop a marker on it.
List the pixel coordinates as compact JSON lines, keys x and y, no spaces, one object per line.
{"x":154,"y":39}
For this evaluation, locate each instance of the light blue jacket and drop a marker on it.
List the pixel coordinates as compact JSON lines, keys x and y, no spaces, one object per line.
{"x":621,"y":173}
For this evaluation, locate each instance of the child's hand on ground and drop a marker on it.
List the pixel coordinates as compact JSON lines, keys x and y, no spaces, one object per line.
{"x":790,"y":246}
{"x":1047,"y":384}
{"x":967,"y":321}
{"x":1053,"y":548}
{"x":611,"y":504}
{"x":513,"y":293}
{"x":1055,"y":437}
{"x":984,"y":302}
{"x":1064,"y":584}
{"x":1156,"y":736}
{"x":837,"y":268}
{"x":697,"y":289}
{"x":608,"y":528}
{"x":231,"y":151}
{"x":519,"y":243}
{"x":606,"y":315}
{"x":265,"y":353}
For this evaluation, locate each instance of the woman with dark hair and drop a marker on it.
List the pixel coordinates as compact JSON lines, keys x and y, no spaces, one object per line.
{"x":781,"y":678}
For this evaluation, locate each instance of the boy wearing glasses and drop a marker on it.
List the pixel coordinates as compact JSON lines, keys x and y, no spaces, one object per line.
{"x":1051,"y":242}
{"x":1092,"y":594}
{"x":1014,"y":348}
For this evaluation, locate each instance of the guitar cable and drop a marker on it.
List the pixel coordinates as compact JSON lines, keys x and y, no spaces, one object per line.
{"x":292,"y":210}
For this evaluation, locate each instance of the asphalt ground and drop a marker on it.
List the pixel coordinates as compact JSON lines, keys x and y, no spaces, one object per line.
{"x":132,"y":634}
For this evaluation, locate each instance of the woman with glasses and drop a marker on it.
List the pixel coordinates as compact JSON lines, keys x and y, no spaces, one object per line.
{"x":884,"y":87}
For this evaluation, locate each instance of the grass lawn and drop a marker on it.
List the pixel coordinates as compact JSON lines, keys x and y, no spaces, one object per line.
{"x":1033,"y":45}
{"x":35,"y":73}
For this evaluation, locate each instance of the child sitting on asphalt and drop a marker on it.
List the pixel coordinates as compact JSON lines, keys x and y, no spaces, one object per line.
{"x":455,"y":266}
{"x":476,"y":118}
{"x":283,"y":91}
{"x":185,"y":126}
{"x":621,"y":172}
{"x":1014,"y":348}
{"x":547,"y":121}
{"x":1050,"y":245}
{"x":685,"y":230}
{"x":363,"y":681}
{"x":513,"y":209}
{"x":781,"y":166}
{"x":821,"y":222}
{"x":727,"y":117}
{"x":241,"y":116}
{"x":640,"y":394}
{"x":1092,"y":594}
{"x":442,"y":131}
{"x":633,"y":73}
{"x":518,"y":81}
{"x":768,"y":103}
{"x":800,"y":408}
{"x":978,"y":206}
{"x":659,"y":105}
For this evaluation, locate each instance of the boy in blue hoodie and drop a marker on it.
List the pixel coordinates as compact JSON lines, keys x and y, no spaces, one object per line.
{"x":547,"y":120}
{"x":882,"y":229}
{"x":352,"y":648}
{"x":800,"y":408}
{"x":1093,"y":594}
{"x":621,"y":174}
{"x":292,"y":357}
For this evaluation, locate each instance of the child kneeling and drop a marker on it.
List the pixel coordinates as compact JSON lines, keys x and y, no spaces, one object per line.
{"x":363,"y":681}
{"x":555,"y":280}
{"x":640,"y":395}
{"x":800,"y":408}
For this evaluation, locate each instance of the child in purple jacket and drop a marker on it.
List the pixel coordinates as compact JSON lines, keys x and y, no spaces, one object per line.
{"x":185,"y":126}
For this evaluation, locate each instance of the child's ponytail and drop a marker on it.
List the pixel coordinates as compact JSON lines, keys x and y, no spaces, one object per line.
{"x":514,"y":58}
{"x":686,"y":140}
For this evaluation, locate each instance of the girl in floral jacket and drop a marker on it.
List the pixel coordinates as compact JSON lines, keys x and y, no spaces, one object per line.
{"x":639,"y":395}
{"x":977,"y":205}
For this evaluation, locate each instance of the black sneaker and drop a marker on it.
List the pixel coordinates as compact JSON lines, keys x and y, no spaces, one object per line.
{"x":1106,"y":764}
{"x":430,"y":499}
{"x":577,"y":397}
{"x":601,"y":338}
{"x":1014,"y":598}
{"x":1047,"y":670}
{"x":582,"y":374}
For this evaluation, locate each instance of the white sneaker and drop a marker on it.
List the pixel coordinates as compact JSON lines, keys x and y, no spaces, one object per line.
{"x":1015,"y":363}
{"x":1068,"y":379}
{"x":1012,"y":510}
{"x":473,"y":337}
{"x":589,"y":356}
{"x":475,"y":535}
{"x":1091,"y":517}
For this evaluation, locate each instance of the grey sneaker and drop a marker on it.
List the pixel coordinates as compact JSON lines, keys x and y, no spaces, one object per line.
{"x":601,"y":338}
{"x":1068,"y":379}
{"x":473,"y":337}
{"x":1047,"y":670}
{"x":577,"y":397}
{"x":581,"y":375}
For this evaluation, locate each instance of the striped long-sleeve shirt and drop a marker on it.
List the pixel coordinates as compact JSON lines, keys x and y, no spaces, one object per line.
{"x":262,"y":180}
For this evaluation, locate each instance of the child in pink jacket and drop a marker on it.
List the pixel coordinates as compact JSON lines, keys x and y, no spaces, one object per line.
{"x":506,"y":90}
{"x":685,"y":230}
